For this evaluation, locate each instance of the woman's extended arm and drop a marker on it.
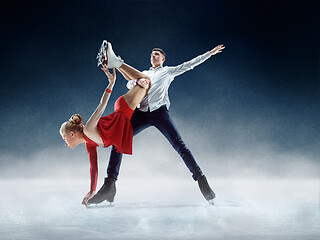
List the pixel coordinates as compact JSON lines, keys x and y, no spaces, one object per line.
{"x":93,"y":158}
{"x":93,"y":120}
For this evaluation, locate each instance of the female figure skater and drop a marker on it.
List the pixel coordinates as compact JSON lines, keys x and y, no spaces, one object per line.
{"x":114,"y":129}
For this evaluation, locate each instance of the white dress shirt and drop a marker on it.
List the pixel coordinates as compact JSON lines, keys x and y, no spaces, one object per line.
{"x":161,"y":78}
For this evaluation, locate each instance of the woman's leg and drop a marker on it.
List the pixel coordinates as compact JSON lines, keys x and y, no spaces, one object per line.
{"x":124,"y":74}
{"x":135,"y":95}
{"x":112,"y":61}
{"x":131,"y":73}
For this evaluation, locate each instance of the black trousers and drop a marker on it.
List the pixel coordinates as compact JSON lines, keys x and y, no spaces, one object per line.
{"x":160,"y":119}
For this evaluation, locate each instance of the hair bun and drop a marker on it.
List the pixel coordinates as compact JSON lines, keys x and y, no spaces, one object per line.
{"x":75,"y":119}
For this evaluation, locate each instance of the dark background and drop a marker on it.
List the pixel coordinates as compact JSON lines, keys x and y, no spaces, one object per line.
{"x":263,"y":88}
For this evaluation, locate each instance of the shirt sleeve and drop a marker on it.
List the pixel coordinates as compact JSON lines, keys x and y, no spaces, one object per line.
{"x":93,"y":159}
{"x":186,"y":66}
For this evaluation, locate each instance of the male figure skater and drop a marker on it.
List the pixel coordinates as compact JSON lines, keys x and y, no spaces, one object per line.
{"x":154,"y":111}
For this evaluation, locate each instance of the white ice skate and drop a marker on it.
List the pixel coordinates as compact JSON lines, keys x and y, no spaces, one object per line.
{"x":112,"y":60}
{"x":105,"y":204}
{"x":101,"y":56}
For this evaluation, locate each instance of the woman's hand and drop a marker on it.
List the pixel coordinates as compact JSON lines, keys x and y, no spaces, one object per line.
{"x":111,"y":77}
{"x":217,"y":49}
{"x":87,"y":197}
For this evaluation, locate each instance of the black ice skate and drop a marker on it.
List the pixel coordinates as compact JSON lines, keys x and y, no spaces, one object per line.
{"x":205,"y":189}
{"x":106,"y":192}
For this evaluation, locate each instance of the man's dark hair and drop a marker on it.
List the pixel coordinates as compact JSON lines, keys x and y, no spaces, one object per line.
{"x":160,"y":50}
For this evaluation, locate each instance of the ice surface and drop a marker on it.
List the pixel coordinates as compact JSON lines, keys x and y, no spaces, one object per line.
{"x":161,"y":209}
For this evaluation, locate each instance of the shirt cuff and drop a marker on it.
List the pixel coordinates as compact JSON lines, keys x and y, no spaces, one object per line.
{"x":207,"y":55}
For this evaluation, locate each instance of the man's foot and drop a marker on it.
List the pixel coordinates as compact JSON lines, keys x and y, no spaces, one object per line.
{"x":205,"y":189}
{"x":106,"y":192}
{"x":112,"y":60}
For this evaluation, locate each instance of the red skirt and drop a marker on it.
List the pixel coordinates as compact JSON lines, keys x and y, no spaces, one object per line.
{"x":116,"y":129}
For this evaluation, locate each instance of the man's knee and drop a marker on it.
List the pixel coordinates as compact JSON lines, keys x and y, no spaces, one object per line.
{"x":179,"y":145}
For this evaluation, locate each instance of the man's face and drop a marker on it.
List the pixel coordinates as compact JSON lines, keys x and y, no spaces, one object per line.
{"x":156,"y":59}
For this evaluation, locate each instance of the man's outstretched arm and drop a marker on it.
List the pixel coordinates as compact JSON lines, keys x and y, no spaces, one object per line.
{"x":186,"y":66}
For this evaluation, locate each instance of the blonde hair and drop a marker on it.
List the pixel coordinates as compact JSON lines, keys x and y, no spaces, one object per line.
{"x":74,"y":124}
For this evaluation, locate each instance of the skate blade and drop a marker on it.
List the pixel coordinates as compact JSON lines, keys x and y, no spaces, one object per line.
{"x":211,"y":201}
{"x":101,"y":205}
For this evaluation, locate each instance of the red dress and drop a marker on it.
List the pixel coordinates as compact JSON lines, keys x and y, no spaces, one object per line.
{"x":114,"y":129}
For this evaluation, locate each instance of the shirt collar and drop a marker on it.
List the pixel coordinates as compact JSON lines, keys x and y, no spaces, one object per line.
{"x":151,"y":68}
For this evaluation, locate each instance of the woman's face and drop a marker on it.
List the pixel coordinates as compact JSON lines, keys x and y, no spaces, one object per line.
{"x":70,"y":139}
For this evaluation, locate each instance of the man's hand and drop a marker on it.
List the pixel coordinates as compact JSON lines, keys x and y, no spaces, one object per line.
{"x":217,"y":49}
{"x":111,"y":77}
{"x":144,"y":83}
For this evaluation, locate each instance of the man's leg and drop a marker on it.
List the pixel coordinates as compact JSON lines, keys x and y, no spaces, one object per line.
{"x":108,"y":190}
{"x":139,"y":123}
{"x":162,"y":121}
{"x":114,"y":164}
